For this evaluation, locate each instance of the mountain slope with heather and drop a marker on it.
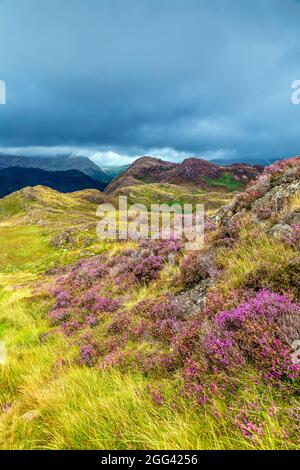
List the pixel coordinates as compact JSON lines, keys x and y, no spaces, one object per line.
{"x":195,"y":172}
{"x":144,"y":345}
{"x":58,"y":163}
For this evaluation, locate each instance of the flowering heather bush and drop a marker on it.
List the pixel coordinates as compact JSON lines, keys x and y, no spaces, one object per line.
{"x":70,"y":327}
{"x":222,"y":349}
{"x":58,"y":316}
{"x":91,"y":320}
{"x":281,"y":278}
{"x":157,"y":364}
{"x":146,"y":269}
{"x":209,"y":226}
{"x":114,"y":359}
{"x":187,"y":341}
{"x":158,"y":319}
{"x":119,"y":324}
{"x":199,"y":385}
{"x":88,"y":354}
{"x":85,"y":272}
{"x":163,"y":247}
{"x":260,"y":328}
{"x":81,"y":310}
{"x":103,"y":304}
{"x":265,"y":306}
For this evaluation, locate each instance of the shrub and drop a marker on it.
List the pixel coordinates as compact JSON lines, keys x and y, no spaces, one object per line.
{"x":195,"y":268}
{"x":261,"y":329}
{"x":146,"y":269}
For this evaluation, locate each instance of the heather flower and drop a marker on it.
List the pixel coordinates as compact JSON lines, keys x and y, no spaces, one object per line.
{"x":163,"y":247}
{"x":155,"y":394}
{"x":222,"y":349}
{"x":91,"y":320}
{"x":187,"y":340}
{"x":248,"y":428}
{"x":88,"y":354}
{"x":147,"y":269}
{"x":70,"y":327}
{"x":103,"y":304}
{"x":119,"y":324}
{"x":259,"y":327}
{"x":266,"y":305}
{"x":57,"y":316}
{"x":264,"y":213}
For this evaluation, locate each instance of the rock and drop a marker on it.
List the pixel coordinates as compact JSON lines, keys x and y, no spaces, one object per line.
{"x":293,"y":218}
{"x":193,"y":300}
{"x":64,"y":238}
{"x":280,"y":230}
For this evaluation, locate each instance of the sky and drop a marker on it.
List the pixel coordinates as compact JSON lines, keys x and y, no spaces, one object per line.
{"x":117,"y":79}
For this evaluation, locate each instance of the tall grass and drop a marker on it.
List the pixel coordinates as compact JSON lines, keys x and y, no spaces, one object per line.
{"x":55,"y":405}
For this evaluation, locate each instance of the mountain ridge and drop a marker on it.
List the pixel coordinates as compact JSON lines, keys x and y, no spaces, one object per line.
{"x":15,"y":178}
{"x":57,"y":163}
{"x":193,"y":171}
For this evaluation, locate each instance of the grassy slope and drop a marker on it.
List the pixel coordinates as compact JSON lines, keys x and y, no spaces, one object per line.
{"x":55,"y":405}
{"x":63,"y":406}
{"x":226,"y":181}
{"x":170,"y":194}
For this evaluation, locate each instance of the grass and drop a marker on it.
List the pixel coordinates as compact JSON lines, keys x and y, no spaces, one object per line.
{"x":173,"y":194}
{"x":24,"y":246}
{"x":254,"y":251}
{"x":226,"y":181}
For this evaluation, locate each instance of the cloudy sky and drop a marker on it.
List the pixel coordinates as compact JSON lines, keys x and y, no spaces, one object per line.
{"x":116,"y":79}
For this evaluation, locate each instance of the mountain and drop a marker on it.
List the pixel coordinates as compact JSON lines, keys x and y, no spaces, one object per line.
{"x":192,"y":171}
{"x":58,"y":163}
{"x":143,"y":170}
{"x":15,"y":178}
{"x":114,"y":171}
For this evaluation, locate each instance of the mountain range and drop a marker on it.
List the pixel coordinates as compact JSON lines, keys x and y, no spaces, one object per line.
{"x":69,"y":173}
{"x":58,"y":163}
{"x":15,"y":178}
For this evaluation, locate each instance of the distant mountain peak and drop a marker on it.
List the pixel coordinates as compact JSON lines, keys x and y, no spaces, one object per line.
{"x":192,"y":171}
{"x":57,"y":163}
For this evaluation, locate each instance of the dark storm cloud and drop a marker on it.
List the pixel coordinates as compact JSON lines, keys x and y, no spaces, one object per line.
{"x":208,"y":78}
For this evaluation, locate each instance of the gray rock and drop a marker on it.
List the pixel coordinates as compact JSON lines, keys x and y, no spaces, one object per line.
{"x":280,"y":229}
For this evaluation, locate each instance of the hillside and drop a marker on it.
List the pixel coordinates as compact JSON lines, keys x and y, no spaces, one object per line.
{"x":195,"y":172}
{"x":165,"y":193}
{"x":42,"y":228}
{"x":15,"y":178}
{"x":59,"y":163}
{"x":145,"y":345}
